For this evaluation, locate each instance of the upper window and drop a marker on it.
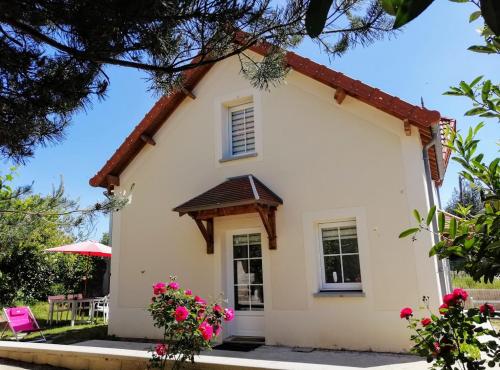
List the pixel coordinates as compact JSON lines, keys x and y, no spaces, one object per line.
{"x":241,"y":130}
{"x":340,"y":256}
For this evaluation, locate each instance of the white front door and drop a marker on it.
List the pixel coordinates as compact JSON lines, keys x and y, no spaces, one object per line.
{"x":246,"y":283}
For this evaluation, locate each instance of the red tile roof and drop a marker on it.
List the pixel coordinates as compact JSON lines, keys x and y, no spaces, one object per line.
{"x":235,"y":191}
{"x":420,"y":117}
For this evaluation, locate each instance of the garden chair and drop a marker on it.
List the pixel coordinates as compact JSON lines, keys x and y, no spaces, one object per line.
{"x":102,"y":306}
{"x":21,"y":320}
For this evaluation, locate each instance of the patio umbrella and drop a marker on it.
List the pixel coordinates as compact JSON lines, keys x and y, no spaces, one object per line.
{"x":86,"y":248}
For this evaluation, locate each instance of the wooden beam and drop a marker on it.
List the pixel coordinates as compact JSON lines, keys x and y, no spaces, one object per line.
{"x":407,"y":127}
{"x":207,"y":232}
{"x":268,"y":217}
{"x":148,"y":139}
{"x":226,"y":211}
{"x":188,"y":93}
{"x":113,"y":180}
{"x":340,"y":95}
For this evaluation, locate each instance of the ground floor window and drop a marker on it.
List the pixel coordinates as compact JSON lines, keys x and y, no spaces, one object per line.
{"x":339,"y":256}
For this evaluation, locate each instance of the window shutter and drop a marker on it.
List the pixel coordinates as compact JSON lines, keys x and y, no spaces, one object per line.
{"x":242,"y":131}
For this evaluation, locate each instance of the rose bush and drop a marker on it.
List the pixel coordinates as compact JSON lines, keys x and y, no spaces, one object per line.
{"x":455,"y":339}
{"x":189,"y":323}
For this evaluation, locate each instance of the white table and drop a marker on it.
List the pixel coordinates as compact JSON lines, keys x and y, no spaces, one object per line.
{"x":73,"y":303}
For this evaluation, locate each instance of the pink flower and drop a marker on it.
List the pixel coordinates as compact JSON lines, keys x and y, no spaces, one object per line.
{"x":487,"y":309}
{"x":218,"y":308}
{"x":460,"y":294}
{"x":443,"y":309}
{"x":437,"y":347}
{"x":161,"y":349}
{"x":425,"y":321}
{"x":200,"y":301}
{"x":449,"y":299}
{"x":217,"y":331}
{"x":181,"y":313}
{"x":159,"y":288}
{"x":173,"y":285}
{"x":228,"y":314}
{"x":206,"y":330}
{"x":406,"y":313}
{"x":188,"y":292}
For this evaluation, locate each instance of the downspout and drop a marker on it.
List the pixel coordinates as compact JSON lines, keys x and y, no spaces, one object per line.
{"x":443,"y":265}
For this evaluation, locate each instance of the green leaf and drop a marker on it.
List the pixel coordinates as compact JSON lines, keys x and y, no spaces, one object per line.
{"x":475,"y":111}
{"x":391,"y":6}
{"x":467,"y":89}
{"x":409,"y":10}
{"x":430,"y":215}
{"x":475,"y":81}
{"x":482,"y":49}
{"x":474,"y":16}
{"x":441,"y":222}
{"x":452,"y":229}
{"x":417,"y":216}
{"x":408,"y":232}
{"x":485,"y":91}
{"x":316,"y":16}
{"x":490,"y":9}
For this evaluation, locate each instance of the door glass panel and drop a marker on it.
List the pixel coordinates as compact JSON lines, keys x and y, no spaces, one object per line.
{"x":247,"y":275}
{"x":256,"y":271}
{"x":241,"y":275}
{"x":242,"y":297}
{"x":257,"y":297}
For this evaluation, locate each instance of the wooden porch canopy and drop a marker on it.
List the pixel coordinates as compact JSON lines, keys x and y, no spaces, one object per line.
{"x":235,"y":196}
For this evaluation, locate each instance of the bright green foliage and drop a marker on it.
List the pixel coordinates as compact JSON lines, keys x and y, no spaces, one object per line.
{"x":455,"y":337}
{"x":30,"y":223}
{"x":485,"y":96}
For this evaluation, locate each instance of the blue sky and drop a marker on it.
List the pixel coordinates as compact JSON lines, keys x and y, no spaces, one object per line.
{"x":422,"y":61}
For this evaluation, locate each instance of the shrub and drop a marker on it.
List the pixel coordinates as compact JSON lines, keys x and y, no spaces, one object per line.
{"x":455,"y":336}
{"x":188,"y":322}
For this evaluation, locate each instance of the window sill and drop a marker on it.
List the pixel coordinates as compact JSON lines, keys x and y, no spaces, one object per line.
{"x":236,"y":157}
{"x":340,"y":293}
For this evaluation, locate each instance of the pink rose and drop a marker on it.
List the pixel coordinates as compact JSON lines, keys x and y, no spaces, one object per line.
{"x":218,"y":308}
{"x":487,"y":309}
{"x":217,"y":331}
{"x":449,"y":299}
{"x":443,"y":309}
{"x":200,"y":301}
{"x":460,"y":294}
{"x":188,"y":292}
{"x":228,"y":314}
{"x":173,"y":285}
{"x":181,"y":313}
{"x":406,"y":313}
{"x":206,"y":330}
{"x":161,"y":349}
{"x":425,"y":321}
{"x":159,"y":288}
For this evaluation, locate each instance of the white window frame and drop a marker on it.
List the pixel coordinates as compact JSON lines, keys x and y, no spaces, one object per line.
{"x":229,"y":137}
{"x":337,"y":286}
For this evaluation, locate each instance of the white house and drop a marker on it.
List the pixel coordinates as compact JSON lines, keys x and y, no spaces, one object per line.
{"x":291,"y":202}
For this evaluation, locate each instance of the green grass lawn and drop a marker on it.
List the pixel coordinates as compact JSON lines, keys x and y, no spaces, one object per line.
{"x":465,"y":281}
{"x":62,"y":332}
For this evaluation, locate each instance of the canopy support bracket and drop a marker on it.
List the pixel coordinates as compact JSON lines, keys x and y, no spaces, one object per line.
{"x":207,"y":232}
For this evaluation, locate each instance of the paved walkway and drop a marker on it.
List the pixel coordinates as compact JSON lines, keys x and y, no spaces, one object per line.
{"x":16,"y":365}
{"x":290,"y":359}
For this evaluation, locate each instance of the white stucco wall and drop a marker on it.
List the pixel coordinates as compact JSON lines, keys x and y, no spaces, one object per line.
{"x":324,"y":161}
